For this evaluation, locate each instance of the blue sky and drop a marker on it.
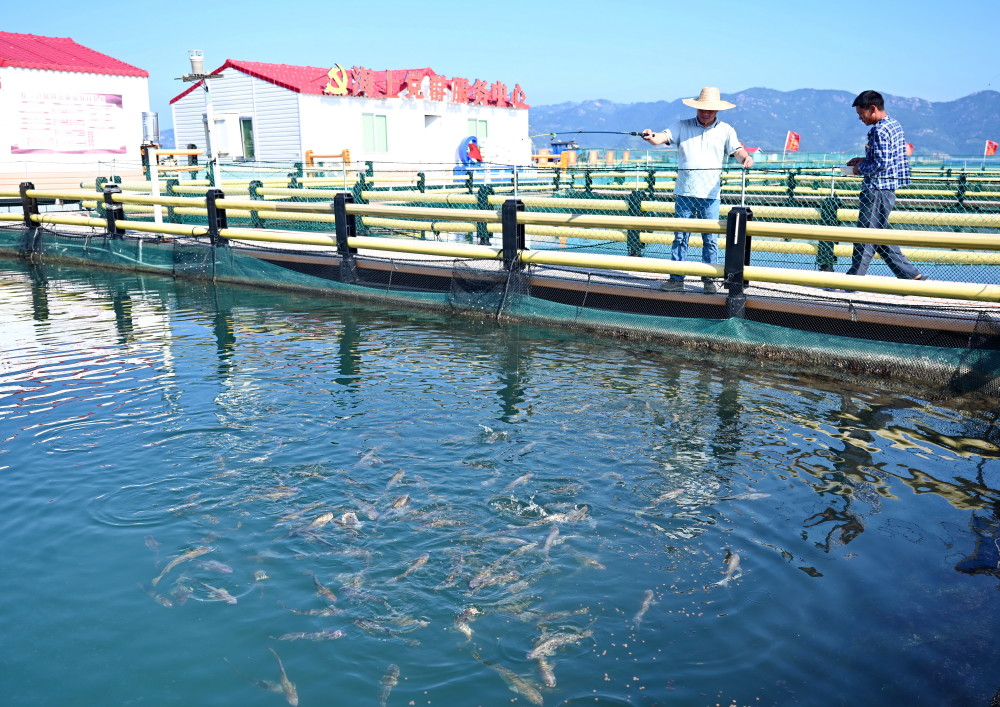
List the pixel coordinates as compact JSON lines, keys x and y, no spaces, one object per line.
{"x":559,"y":51}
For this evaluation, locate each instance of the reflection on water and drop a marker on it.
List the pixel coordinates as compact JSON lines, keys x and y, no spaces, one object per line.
{"x":219,"y":496}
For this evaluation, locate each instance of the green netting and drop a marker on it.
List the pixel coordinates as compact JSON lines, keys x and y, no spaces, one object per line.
{"x":969,"y":361}
{"x":945,"y":197}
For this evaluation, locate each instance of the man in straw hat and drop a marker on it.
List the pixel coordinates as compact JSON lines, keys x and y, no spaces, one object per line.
{"x":703,"y":144}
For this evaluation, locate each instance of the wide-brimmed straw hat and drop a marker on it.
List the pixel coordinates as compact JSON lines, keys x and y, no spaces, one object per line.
{"x":708,"y":99}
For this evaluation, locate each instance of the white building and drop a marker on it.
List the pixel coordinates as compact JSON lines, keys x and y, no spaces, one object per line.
{"x":67,"y":111}
{"x":279,"y":112}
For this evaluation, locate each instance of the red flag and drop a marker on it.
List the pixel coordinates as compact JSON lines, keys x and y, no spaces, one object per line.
{"x":991,"y":148}
{"x":909,"y":149}
{"x":792,"y":142}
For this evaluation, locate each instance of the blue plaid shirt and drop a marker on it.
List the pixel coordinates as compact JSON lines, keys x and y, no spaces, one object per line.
{"x":885,"y":165}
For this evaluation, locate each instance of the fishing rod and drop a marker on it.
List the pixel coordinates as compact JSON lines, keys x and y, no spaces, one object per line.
{"x":589,"y":132}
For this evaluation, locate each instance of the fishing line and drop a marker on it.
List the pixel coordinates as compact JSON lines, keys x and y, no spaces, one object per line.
{"x":591,"y":132}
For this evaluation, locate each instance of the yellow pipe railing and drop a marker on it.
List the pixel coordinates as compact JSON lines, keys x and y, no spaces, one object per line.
{"x":576,"y":225}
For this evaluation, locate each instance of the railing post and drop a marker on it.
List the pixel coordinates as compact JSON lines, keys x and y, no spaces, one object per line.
{"x":825,"y":258}
{"x":347,"y":228}
{"x":513,"y":233}
{"x":632,"y":240}
{"x":651,"y":182}
{"x":144,"y":159}
{"x":421,"y":182}
{"x":172,"y":215}
{"x":29,"y":204}
{"x":588,"y":182}
{"x":255,"y":186}
{"x":737,"y":255}
{"x":369,"y":168}
{"x":113,"y":211}
{"x":483,"y":195}
{"x":192,"y":159}
{"x":216,"y":216}
{"x":791,"y":188}
{"x":470,"y":182}
{"x":960,"y":191}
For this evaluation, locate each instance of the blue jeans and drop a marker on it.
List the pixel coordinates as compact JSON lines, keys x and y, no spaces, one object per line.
{"x":695,"y":207}
{"x":873,"y":212}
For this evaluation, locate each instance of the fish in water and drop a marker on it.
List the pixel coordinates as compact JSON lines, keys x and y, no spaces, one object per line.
{"x":330,"y":634}
{"x":395,"y":479}
{"x":515,"y":682}
{"x":574,"y":516}
{"x":414,"y":566}
{"x":320,"y":521}
{"x":464,"y":618}
{"x":550,"y":539}
{"x":213,"y":566}
{"x":401,"y":502}
{"x":647,"y":601}
{"x":733,"y":570}
{"x":389,"y":681}
{"x":548,"y":646}
{"x":669,"y":495}
{"x":520,"y":480}
{"x":264,"y":684}
{"x":545,"y":670}
{"x":154,"y":546}
{"x":295,"y":515}
{"x":287,"y":686}
{"x":189,"y":555}
{"x":158,"y":598}
{"x":324,"y":591}
{"x":219,"y":593}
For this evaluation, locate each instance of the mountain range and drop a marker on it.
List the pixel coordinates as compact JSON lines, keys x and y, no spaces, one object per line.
{"x":824,"y":119}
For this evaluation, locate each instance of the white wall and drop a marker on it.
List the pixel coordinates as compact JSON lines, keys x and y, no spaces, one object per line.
{"x":286,"y":124}
{"x":274,"y":111}
{"x":333,"y":123}
{"x":60,"y":116}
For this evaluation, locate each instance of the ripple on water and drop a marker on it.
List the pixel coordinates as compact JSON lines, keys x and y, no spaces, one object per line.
{"x":596,"y":701}
{"x":148,"y":504}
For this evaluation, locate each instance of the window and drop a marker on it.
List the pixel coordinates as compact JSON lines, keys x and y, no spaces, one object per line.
{"x":375,"y":132}
{"x":478,"y":128}
{"x":246,"y":130}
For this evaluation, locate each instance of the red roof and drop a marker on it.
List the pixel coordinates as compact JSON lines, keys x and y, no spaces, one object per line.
{"x":30,"y":51}
{"x":301,"y":79}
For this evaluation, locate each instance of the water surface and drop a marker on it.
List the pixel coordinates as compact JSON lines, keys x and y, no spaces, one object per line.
{"x":200,"y":481}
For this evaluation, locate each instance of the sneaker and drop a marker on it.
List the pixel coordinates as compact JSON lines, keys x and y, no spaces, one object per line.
{"x":673,"y":286}
{"x":710,"y":287}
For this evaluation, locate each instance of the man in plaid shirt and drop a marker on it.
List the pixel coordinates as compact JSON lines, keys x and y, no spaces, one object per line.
{"x":885,"y":169}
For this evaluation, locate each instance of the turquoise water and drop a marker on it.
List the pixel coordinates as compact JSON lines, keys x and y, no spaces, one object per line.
{"x":196,"y":476}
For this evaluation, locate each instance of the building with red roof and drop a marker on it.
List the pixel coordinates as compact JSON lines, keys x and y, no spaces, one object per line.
{"x":65,"y":107}
{"x":282,"y":112}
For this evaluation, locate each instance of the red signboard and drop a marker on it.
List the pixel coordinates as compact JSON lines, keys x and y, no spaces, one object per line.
{"x":909,"y":150}
{"x":792,"y":142}
{"x":359,"y":81}
{"x":991,"y":148}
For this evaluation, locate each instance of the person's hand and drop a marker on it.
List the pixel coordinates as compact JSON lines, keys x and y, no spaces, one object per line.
{"x":749,"y":163}
{"x":647,"y":134}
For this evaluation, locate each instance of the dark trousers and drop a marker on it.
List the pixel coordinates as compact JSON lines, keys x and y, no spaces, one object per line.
{"x":874,"y":210}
